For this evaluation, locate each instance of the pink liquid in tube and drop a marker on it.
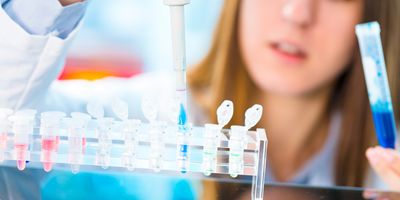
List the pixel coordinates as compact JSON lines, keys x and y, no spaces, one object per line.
{"x":83,"y":145}
{"x":3,"y":141}
{"x":48,"y":148}
{"x":21,"y":151}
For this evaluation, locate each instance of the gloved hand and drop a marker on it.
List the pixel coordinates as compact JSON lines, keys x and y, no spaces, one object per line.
{"x":386,"y":162}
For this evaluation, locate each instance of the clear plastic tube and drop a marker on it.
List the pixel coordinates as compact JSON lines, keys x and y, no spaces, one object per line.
{"x":76,"y":140}
{"x":105,"y":141}
{"x":4,"y":129}
{"x":157,"y":131}
{"x":130,"y":134}
{"x":23,"y":123}
{"x":49,"y":128}
{"x":377,"y":83}
{"x":210,"y":148}
{"x":236,"y":150}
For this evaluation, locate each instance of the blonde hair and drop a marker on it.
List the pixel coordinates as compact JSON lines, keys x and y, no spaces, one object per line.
{"x":222,"y":75}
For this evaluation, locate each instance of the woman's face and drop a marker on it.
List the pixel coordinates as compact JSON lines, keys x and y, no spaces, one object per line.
{"x":294,"y":47}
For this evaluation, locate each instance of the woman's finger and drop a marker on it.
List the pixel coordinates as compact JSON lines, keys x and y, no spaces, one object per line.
{"x":383,"y":162}
{"x":395,"y":160}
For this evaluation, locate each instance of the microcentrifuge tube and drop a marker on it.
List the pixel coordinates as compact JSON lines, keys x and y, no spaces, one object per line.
{"x":253,"y":116}
{"x":157,"y":131}
{"x":210,"y":148}
{"x":130,"y":132}
{"x":23,"y":123}
{"x":236,"y":150}
{"x":149,"y":107}
{"x":4,"y":123}
{"x":76,"y":141}
{"x":95,"y":109}
{"x":120,"y":109}
{"x":104,"y":141}
{"x":49,"y":130}
{"x":224,"y":113}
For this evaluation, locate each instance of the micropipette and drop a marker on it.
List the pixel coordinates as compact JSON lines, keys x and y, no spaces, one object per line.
{"x":179,"y":62}
{"x":377,"y":83}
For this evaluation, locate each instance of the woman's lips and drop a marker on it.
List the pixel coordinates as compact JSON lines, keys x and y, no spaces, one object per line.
{"x":287,"y":52}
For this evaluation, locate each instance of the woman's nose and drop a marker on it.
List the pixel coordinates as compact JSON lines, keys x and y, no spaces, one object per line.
{"x":298,"y":12}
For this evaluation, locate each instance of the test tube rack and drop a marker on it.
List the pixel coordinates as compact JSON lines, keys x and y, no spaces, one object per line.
{"x":132,"y":144}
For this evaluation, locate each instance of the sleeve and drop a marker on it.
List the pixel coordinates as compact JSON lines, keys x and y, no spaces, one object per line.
{"x":28,"y":63}
{"x":41,"y":17}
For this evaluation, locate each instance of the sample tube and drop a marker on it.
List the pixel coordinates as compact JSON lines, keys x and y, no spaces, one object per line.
{"x":210,"y":148}
{"x":377,"y":83}
{"x":23,"y":123}
{"x":157,"y":131}
{"x":49,"y":129}
{"x":4,"y":128}
{"x":104,"y":141}
{"x":130,"y":133}
{"x":236,"y":150}
{"x":76,"y":129}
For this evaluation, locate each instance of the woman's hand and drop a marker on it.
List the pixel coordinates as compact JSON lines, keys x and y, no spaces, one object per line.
{"x":68,"y":2}
{"x":386,"y":162}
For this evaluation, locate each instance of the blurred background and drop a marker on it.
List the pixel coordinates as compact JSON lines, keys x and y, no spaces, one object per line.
{"x":124,"y":38}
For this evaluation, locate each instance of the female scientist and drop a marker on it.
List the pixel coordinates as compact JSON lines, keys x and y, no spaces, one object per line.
{"x":298,"y":58}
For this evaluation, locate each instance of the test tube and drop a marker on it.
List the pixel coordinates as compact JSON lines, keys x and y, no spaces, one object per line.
{"x":236,"y":150}
{"x":4,"y":125}
{"x":157,"y":131}
{"x":210,"y":148}
{"x":130,"y":132}
{"x":49,"y":128}
{"x":23,"y":124}
{"x":377,"y":83}
{"x":104,"y":141}
{"x":76,"y":128}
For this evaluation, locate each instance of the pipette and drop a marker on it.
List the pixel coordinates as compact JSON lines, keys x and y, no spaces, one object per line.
{"x":179,"y":62}
{"x":377,"y":83}
{"x":4,"y":128}
{"x":178,"y":46}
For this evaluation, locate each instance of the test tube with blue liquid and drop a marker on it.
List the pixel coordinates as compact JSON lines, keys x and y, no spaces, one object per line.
{"x":377,"y":83}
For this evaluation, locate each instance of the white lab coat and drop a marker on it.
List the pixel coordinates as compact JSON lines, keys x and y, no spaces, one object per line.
{"x":30,"y":65}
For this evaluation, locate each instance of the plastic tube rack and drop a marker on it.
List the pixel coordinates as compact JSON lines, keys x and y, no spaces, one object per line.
{"x":134,"y":145}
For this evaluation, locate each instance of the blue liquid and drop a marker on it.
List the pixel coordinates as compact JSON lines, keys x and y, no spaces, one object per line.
{"x":182,"y":122}
{"x":385,"y":128}
{"x":182,"y":119}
